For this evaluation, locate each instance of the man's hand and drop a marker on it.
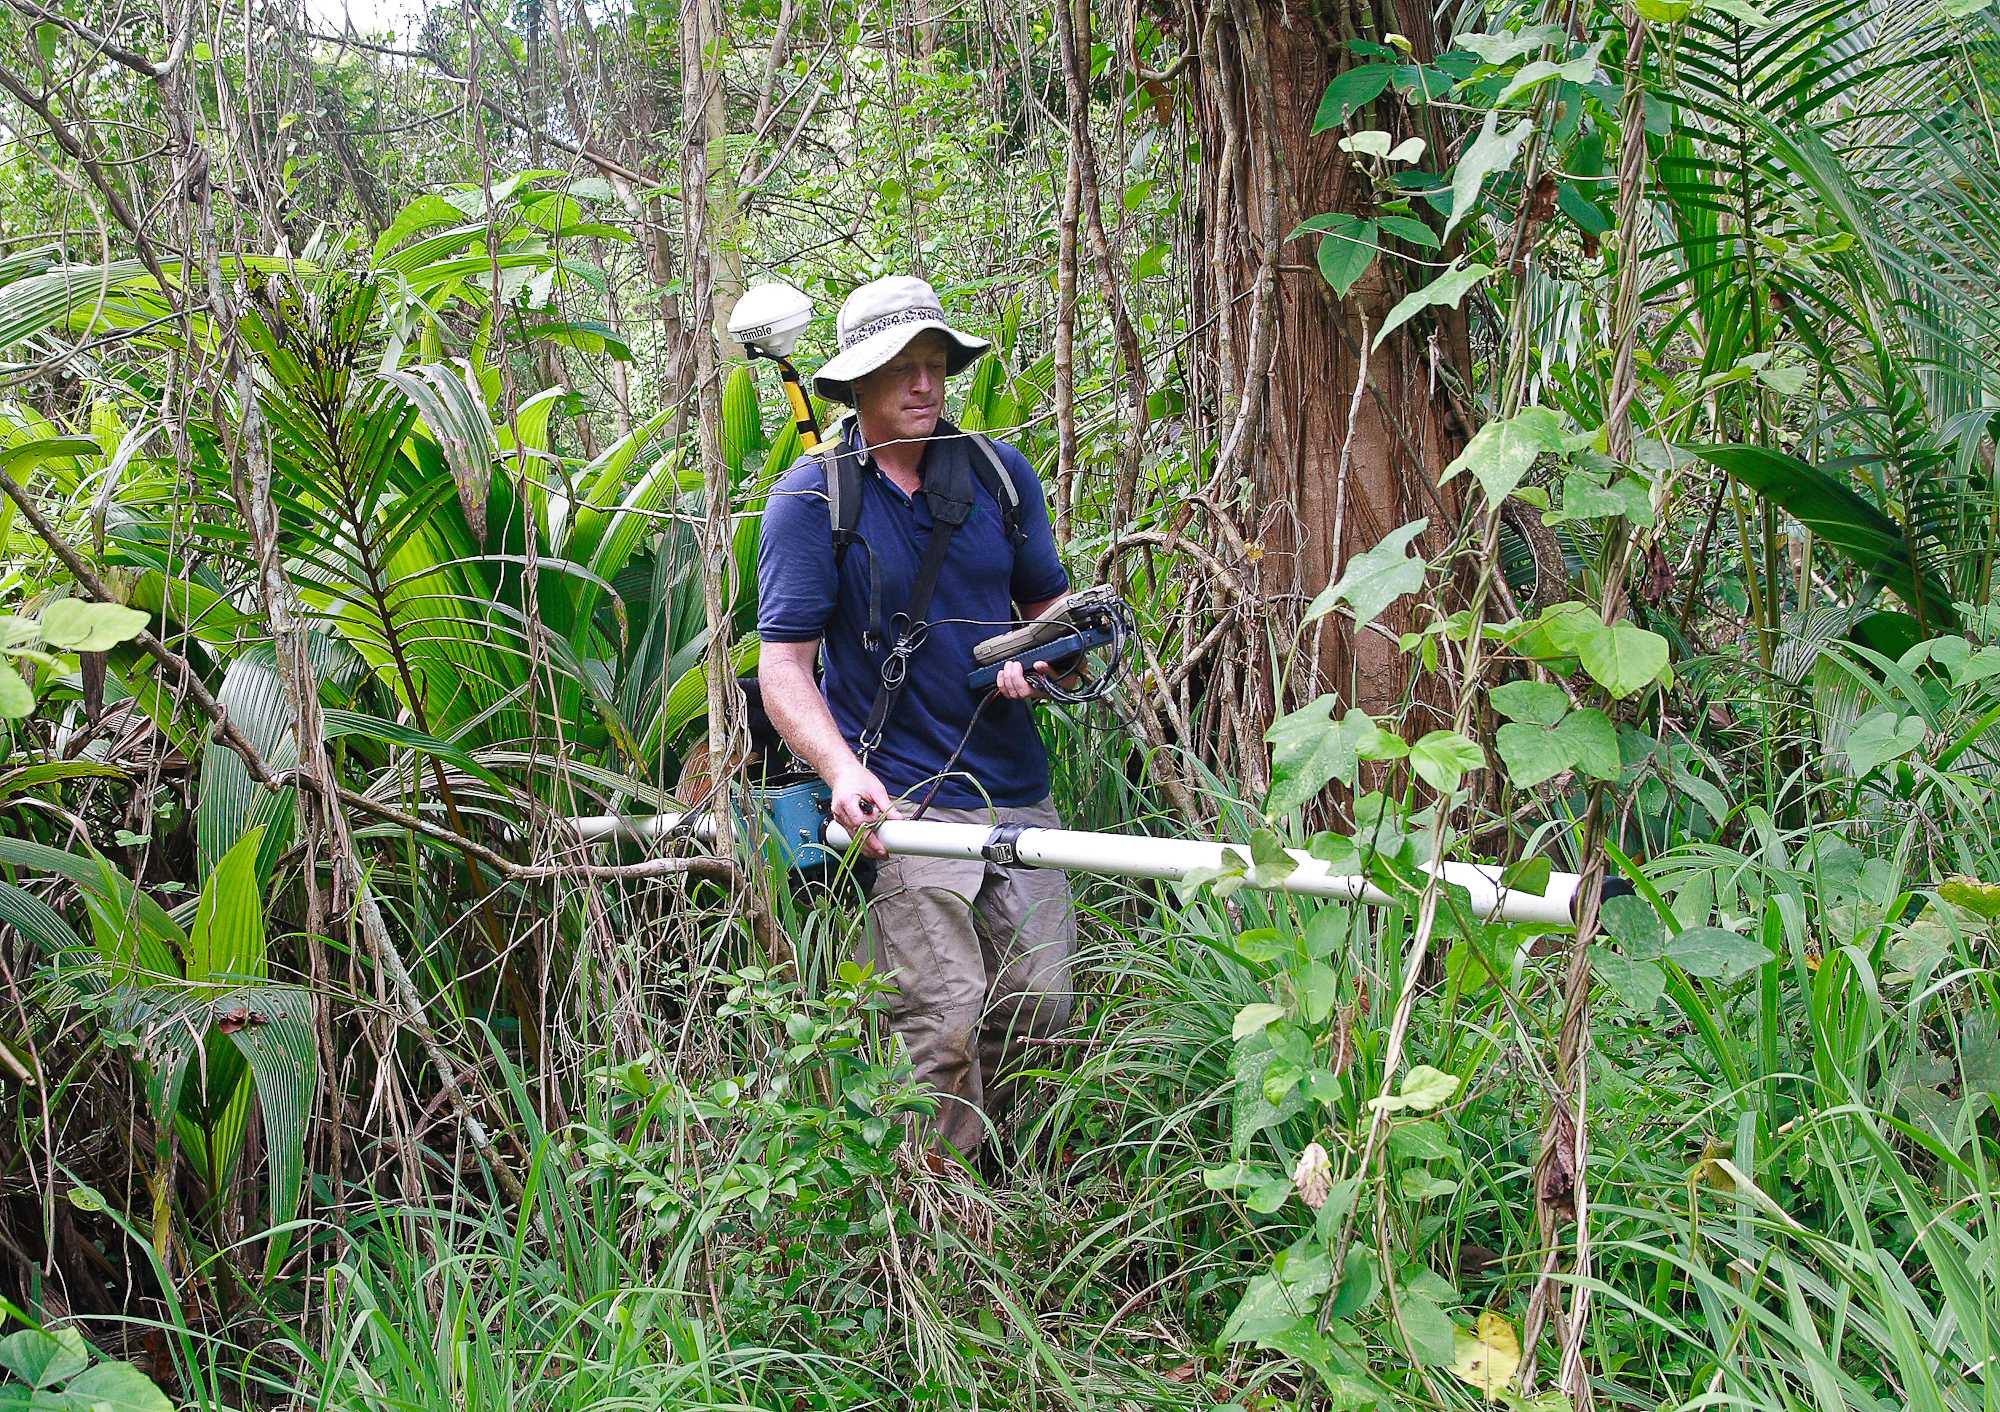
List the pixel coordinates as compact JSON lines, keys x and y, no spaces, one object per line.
{"x":800,"y":713}
{"x":1013,"y":682}
{"x":858,"y":801}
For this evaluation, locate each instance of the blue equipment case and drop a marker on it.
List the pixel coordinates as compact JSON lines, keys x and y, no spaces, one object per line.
{"x":796,"y":819}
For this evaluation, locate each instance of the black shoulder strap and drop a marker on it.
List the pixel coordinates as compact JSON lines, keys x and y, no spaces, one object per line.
{"x":842,"y":464}
{"x":914,"y":624}
{"x":843,"y":486}
{"x":843,"y":493}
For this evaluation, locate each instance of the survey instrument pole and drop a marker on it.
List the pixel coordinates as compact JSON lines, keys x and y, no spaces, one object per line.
{"x":1130,"y":856}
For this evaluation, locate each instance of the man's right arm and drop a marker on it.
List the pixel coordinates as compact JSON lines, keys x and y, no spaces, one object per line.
{"x":793,"y":701}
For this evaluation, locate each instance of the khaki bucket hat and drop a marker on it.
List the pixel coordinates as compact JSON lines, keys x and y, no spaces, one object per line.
{"x":877,"y":322}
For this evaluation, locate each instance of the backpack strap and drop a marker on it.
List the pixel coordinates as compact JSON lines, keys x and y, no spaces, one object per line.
{"x":948,"y":511}
{"x":843,"y":487}
{"x":999,"y":482}
{"x":948,"y":489}
{"x":842,"y":464}
{"x":913,"y":626}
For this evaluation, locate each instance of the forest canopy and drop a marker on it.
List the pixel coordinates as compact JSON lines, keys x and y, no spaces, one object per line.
{"x":1545,"y":455}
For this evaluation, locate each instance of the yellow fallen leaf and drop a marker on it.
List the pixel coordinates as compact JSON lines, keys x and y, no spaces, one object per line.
{"x":1489,"y":1358}
{"x":1972,"y":894}
{"x":1711,"y":1170}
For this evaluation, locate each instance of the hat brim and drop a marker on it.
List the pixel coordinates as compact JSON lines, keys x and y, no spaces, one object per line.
{"x":836,"y":377}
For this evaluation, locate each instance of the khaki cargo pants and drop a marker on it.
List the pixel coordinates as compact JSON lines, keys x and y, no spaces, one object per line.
{"x":981,"y":956}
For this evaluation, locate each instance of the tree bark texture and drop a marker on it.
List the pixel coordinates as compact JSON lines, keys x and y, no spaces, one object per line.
{"x":1296,"y":452}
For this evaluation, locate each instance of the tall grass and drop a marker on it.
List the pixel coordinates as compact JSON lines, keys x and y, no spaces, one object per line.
{"x":1793,"y":1172}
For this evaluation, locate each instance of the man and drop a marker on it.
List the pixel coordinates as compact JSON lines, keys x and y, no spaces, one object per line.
{"x":979,"y":953}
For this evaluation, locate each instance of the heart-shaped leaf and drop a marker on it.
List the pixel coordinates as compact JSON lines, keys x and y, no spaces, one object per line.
{"x":1442,"y":758}
{"x":1717,"y":954}
{"x":1424,"y":1141}
{"x":1308,"y":748}
{"x":1423,"y":1089}
{"x":1270,"y":863}
{"x":42,"y":1359}
{"x":116,"y":1387}
{"x":1592,"y":743}
{"x":1319,"y":988}
{"x":1225,"y":877}
{"x":1236,"y":1174}
{"x":1622,"y":657}
{"x":1529,"y":875}
{"x":1265,"y":944}
{"x":1430,"y":1329}
{"x":1532,"y":754}
{"x":1636,"y":924}
{"x":1346,"y":251}
{"x":1420,"y":1185}
{"x":1538,"y":703}
{"x":1375,"y":579}
{"x":1881,"y":736}
{"x":1501,"y":452}
{"x":1638,"y":983}
{"x":1253,"y":1019}
{"x":1358,"y":86}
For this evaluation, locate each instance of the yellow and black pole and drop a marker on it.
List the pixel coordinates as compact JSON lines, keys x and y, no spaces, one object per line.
{"x":767,"y":321}
{"x":795,"y":393}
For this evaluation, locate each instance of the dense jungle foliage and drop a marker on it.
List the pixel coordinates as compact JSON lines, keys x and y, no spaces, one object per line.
{"x":1558,"y":436}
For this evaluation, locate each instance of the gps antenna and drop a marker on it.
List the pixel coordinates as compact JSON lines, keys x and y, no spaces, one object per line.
{"x":767,"y":321}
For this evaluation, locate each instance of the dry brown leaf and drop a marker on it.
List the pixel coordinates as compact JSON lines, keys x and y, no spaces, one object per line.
{"x":230,"y":1021}
{"x":1558,"y":1170}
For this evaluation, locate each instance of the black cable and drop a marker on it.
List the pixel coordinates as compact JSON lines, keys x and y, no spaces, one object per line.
{"x":1093,"y":690}
{"x":983,"y":622}
{"x":938,"y":779}
{"x":1101,"y":684}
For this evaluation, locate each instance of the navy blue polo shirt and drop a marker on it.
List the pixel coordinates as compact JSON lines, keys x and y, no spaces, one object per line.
{"x":801,"y":597}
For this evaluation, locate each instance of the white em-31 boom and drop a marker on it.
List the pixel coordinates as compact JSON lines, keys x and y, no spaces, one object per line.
{"x":805,"y":836}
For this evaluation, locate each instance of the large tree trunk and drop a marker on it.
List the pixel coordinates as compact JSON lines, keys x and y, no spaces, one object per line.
{"x":1313,"y":466}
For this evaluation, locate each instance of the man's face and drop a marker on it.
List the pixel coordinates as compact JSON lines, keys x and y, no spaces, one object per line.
{"x":902,"y":399}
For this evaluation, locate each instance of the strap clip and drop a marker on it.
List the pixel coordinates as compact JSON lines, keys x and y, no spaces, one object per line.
{"x":1002,"y":846}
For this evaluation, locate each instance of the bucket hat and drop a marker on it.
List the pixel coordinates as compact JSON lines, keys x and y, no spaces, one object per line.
{"x":877,"y":322}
